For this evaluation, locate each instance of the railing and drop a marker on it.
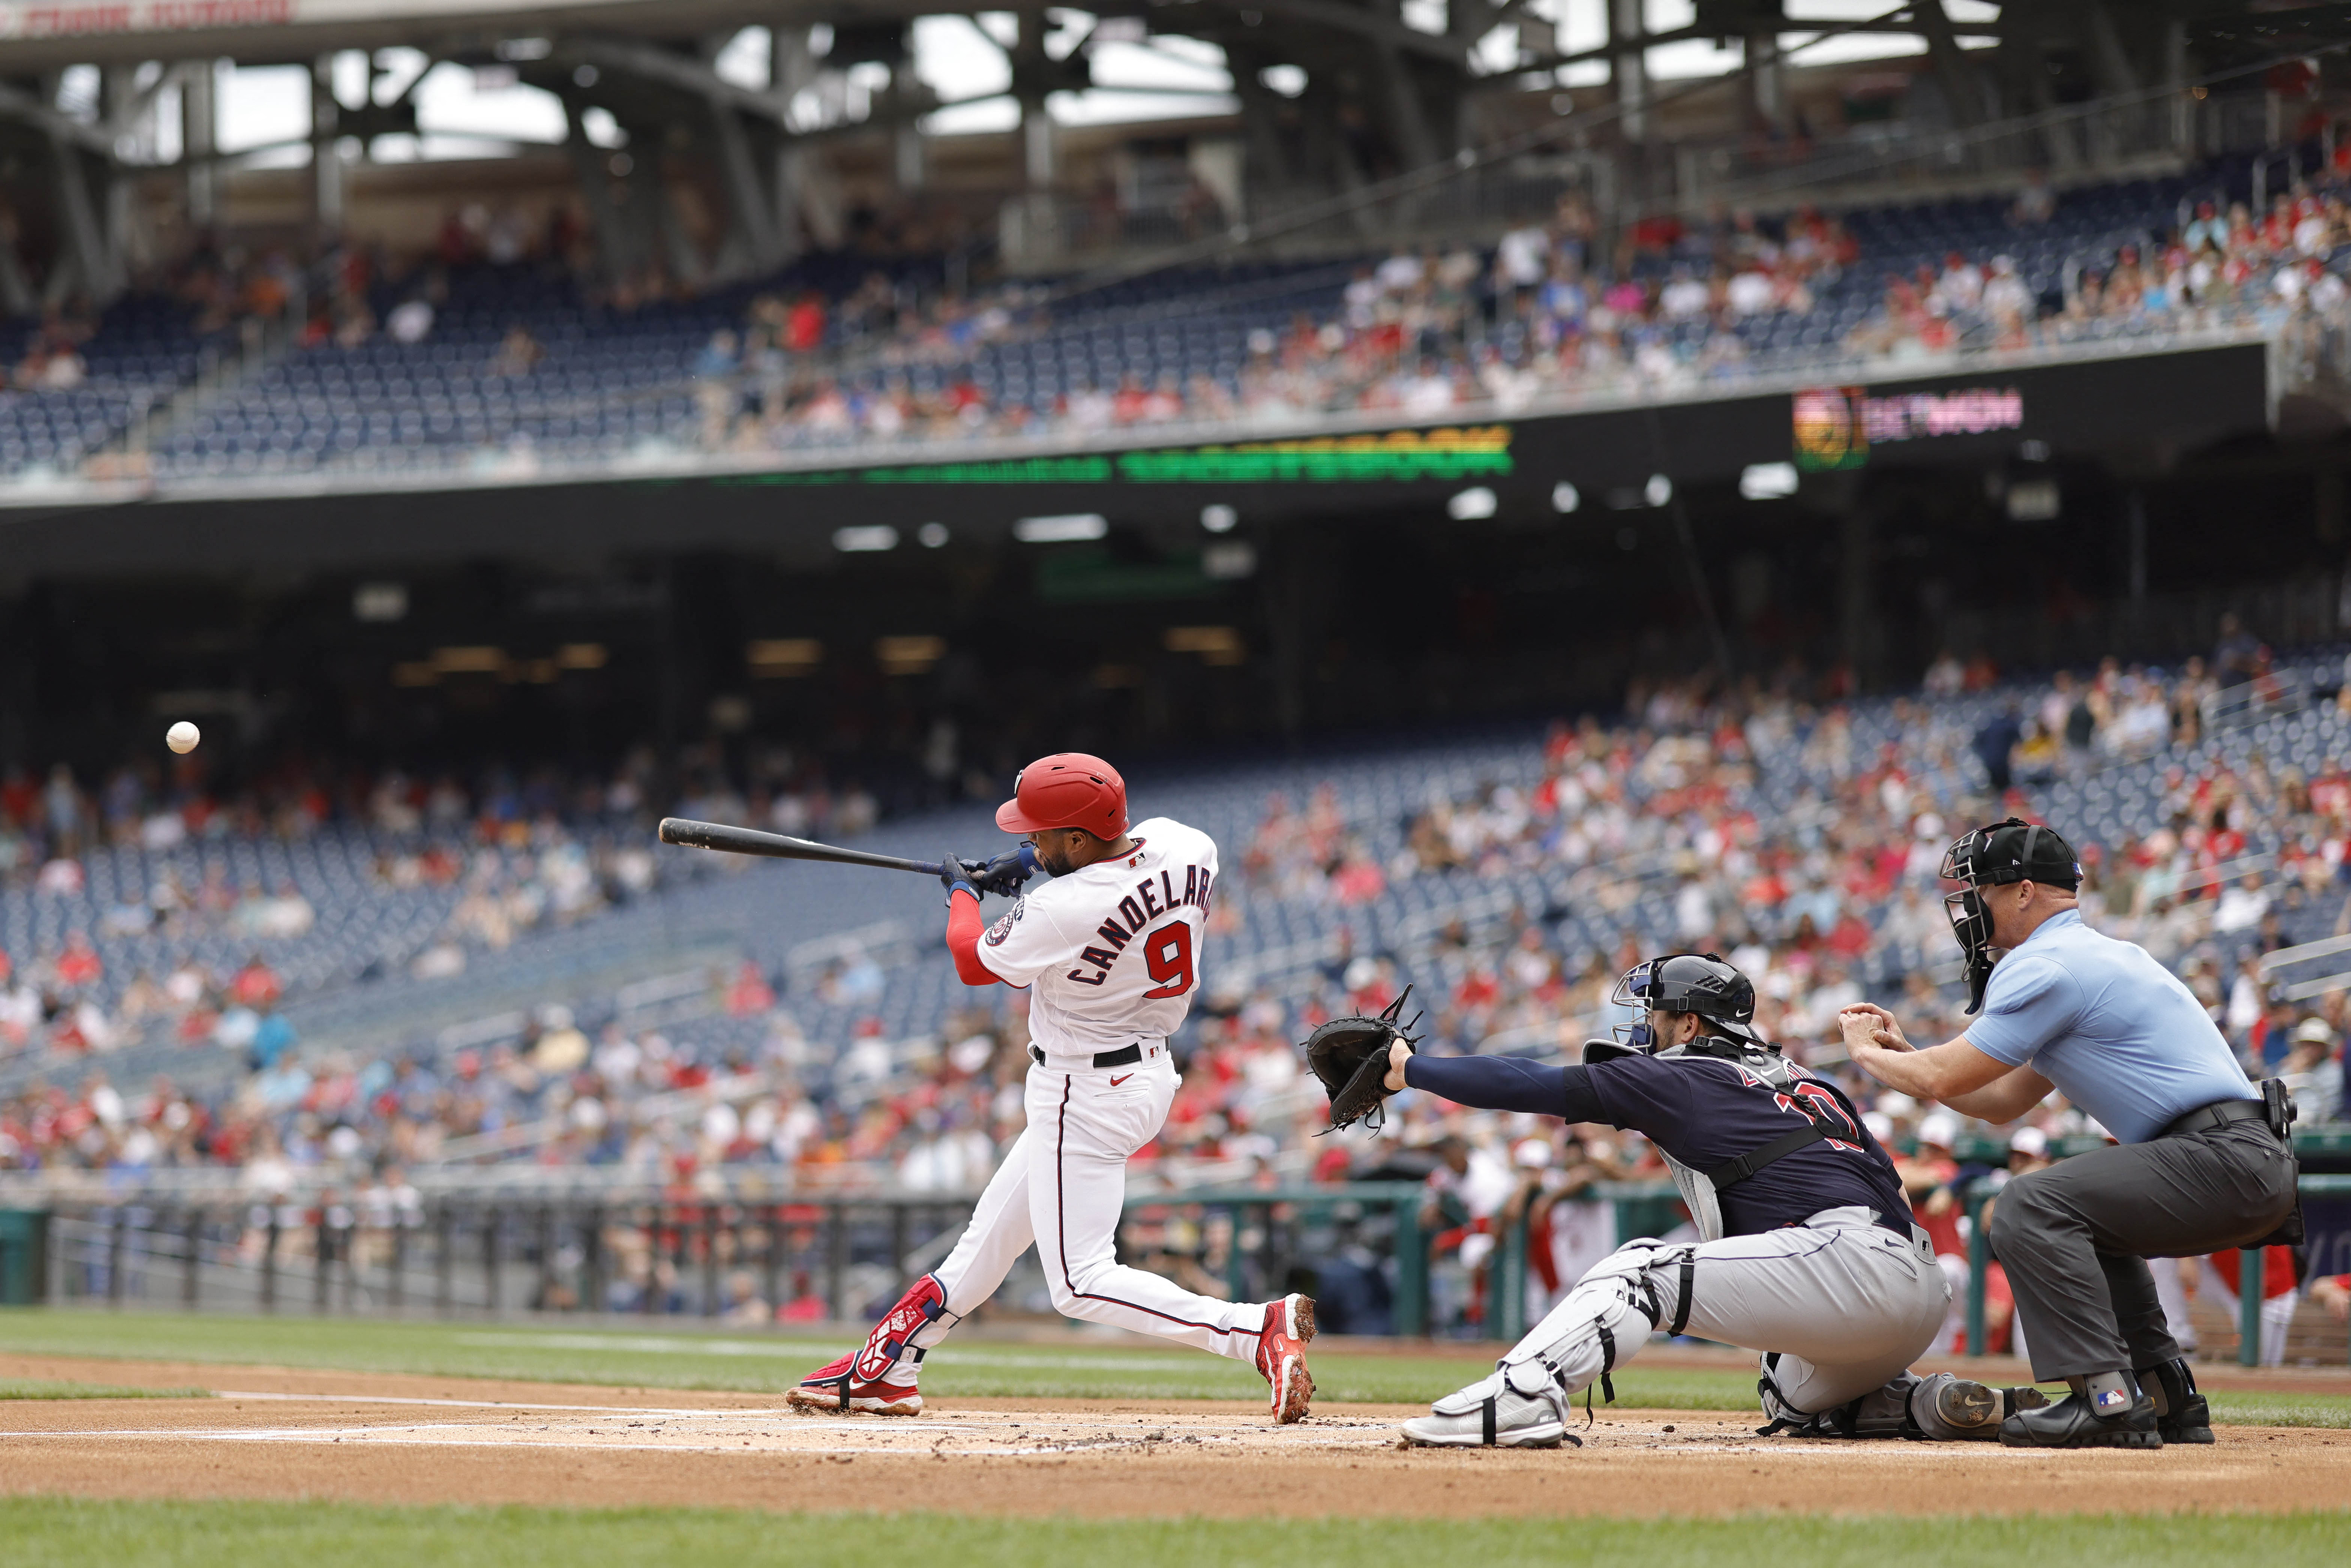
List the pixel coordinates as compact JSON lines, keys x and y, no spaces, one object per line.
{"x":629,"y":1251}
{"x":811,"y":1257}
{"x":2268,"y":696}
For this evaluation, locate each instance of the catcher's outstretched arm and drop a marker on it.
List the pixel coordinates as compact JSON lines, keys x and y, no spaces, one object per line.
{"x":1508,"y":1084}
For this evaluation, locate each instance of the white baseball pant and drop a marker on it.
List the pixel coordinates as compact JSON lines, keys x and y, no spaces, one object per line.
{"x":1064,"y":1187}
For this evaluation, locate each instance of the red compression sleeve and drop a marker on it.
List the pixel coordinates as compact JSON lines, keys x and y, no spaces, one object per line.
{"x":964,"y":927}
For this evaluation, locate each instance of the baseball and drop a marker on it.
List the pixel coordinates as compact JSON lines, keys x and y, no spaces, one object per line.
{"x":183,"y":736}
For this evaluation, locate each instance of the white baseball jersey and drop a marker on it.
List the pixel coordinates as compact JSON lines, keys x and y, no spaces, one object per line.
{"x":1113,"y":948}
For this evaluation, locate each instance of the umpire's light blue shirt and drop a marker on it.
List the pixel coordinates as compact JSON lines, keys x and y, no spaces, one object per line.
{"x":2116,"y":1031}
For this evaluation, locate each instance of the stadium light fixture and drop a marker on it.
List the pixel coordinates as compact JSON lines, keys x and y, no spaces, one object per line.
{"x":380,"y":602}
{"x":908,"y":655}
{"x":1767,"y":481}
{"x":1068,"y":529}
{"x":781,"y":658}
{"x":2034,"y":501}
{"x":1214,"y":645}
{"x":1472,"y":504}
{"x":865,"y":537}
{"x":1229,"y":561}
{"x":1566,"y":497}
{"x":469,"y":661}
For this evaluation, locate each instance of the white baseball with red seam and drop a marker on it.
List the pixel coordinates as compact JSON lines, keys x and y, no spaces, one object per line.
{"x":183,"y":736}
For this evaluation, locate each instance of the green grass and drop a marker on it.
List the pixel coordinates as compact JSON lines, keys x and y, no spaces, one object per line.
{"x":2248,"y":1407}
{"x":42,"y":1531}
{"x":50,"y":1388}
{"x":664,"y":1354}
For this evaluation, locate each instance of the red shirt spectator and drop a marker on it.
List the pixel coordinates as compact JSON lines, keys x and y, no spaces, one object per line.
{"x":804,"y":326}
{"x":256,"y":984}
{"x":79,"y":964}
{"x":2277,"y":1271}
{"x":750,"y":993}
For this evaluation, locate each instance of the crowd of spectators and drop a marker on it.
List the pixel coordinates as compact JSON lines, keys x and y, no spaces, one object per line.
{"x":1664,"y":828}
{"x":1660,"y":825}
{"x":510,"y":854}
{"x":1545,"y":312}
{"x":1537,"y":315}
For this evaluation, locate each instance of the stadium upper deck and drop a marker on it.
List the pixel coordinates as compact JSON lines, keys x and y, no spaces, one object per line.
{"x":487,"y":373}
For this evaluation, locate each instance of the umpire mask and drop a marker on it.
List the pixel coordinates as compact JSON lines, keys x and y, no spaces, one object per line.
{"x":2006,"y":852}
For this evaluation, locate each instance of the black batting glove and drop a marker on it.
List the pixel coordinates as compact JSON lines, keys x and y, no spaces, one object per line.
{"x":1006,"y":873}
{"x":953,"y":876}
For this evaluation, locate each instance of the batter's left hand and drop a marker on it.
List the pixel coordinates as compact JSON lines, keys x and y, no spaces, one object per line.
{"x":953,"y":875}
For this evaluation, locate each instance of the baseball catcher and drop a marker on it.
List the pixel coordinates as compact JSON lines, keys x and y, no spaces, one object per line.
{"x":1806,"y":1252}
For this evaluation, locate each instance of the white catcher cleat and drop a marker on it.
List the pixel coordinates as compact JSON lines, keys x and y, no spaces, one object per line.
{"x":1494,"y":1413}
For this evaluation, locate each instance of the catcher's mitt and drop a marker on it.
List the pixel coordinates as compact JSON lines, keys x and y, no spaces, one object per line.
{"x":1350,"y":1056}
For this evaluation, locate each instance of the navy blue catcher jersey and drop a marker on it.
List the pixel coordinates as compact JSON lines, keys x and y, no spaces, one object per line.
{"x":1707,"y":1111}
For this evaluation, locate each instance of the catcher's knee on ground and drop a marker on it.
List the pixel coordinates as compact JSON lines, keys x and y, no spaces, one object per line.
{"x":1603,"y":1324}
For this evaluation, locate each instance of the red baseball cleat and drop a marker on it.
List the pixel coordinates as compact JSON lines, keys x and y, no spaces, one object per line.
{"x":837,"y":1387}
{"x":862,"y":1380}
{"x":1281,"y":1356}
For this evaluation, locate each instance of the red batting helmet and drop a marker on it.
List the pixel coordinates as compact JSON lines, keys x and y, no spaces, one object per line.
{"x":1067,"y":789}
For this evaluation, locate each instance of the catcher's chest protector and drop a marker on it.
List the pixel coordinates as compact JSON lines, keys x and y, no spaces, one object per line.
{"x":1698,"y":1188}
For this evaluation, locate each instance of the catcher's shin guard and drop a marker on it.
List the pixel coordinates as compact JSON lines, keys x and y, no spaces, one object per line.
{"x":1941,"y":1408}
{"x":1524,"y":1402}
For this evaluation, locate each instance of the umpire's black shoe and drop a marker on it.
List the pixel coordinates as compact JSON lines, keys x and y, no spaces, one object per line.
{"x":2181,"y":1414}
{"x":2110,"y":1412}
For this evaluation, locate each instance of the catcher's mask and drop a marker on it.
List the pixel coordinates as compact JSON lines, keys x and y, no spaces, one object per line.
{"x":1698,"y":983}
{"x":2006,"y":852}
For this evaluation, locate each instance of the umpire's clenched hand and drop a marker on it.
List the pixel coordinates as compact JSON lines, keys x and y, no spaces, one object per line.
{"x":1867,"y":1024}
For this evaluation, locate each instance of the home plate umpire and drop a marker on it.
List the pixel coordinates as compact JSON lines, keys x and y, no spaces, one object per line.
{"x":2203,"y":1161}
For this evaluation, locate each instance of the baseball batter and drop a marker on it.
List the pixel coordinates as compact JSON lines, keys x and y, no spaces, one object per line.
{"x":1806,"y":1249}
{"x":1111,"y":947}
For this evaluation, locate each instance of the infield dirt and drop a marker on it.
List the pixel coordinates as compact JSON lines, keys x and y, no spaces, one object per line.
{"x":374,"y":1437}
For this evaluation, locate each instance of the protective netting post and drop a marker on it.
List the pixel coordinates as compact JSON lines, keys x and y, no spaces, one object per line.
{"x":2249,"y":1306}
{"x":1979,"y":1265}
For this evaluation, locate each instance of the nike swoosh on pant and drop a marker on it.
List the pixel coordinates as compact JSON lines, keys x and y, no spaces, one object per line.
{"x":1116,"y":1082}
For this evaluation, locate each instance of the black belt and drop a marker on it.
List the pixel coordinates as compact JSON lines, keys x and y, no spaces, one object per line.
{"x":1125,"y":1056}
{"x":2218,"y":1113}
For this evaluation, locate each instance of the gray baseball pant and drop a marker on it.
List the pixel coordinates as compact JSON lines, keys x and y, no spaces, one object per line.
{"x":2076,"y":1238}
{"x":1841,"y":1305}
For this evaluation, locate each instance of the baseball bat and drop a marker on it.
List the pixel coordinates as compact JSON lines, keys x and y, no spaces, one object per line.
{"x":777,"y":846}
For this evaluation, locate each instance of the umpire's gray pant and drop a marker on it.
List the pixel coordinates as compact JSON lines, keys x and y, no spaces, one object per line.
{"x":2076,"y":1238}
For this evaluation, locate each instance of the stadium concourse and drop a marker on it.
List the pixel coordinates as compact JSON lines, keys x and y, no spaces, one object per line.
{"x":339,"y":980}
{"x":412,"y":364}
